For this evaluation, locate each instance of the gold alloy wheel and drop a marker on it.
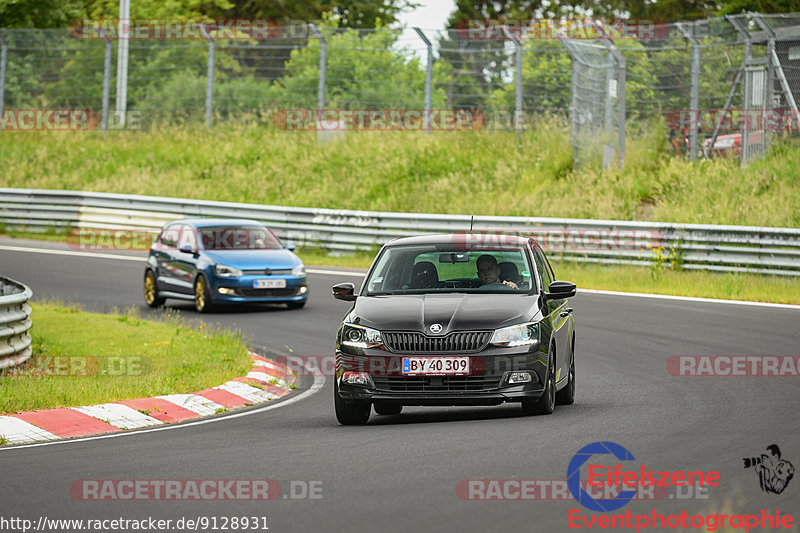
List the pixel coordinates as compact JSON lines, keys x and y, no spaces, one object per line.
{"x":149,"y":289}
{"x":199,"y":294}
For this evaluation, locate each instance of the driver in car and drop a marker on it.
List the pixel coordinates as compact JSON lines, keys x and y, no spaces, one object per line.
{"x":489,"y":273}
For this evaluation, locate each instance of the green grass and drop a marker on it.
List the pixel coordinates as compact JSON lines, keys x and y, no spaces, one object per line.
{"x":488,"y":173}
{"x":128,"y":358}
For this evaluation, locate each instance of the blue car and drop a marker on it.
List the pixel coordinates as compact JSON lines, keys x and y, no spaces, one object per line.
{"x":223,"y":261}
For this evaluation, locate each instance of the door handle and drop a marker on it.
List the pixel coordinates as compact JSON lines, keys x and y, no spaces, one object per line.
{"x":566,"y":312}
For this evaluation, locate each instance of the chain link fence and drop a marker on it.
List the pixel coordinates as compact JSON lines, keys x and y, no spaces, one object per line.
{"x":718,"y":87}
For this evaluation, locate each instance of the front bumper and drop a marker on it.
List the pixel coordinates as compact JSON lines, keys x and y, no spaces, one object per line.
{"x":487,"y":383}
{"x":240,"y":290}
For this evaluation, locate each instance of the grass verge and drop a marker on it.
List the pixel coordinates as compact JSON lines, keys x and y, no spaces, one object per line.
{"x":480,"y":173}
{"x":83,"y":358}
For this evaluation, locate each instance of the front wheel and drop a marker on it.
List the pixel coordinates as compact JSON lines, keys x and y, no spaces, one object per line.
{"x":151,"y":297}
{"x":350,"y":413}
{"x":547,"y":402}
{"x":202,"y":295}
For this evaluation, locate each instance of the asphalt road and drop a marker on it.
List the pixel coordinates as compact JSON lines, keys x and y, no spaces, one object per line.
{"x":399,"y":473}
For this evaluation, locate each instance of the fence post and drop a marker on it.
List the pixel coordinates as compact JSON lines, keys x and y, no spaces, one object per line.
{"x":428,"y":79}
{"x":323,"y":67}
{"x":694,"y":100}
{"x":517,"y":80}
{"x":621,"y":97}
{"x":210,"y":77}
{"x":609,"y":111}
{"x":123,"y":39}
{"x":3,"y":57}
{"x":106,"y":82}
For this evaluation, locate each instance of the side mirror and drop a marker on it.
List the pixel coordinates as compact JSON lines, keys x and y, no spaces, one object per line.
{"x":344,"y":291}
{"x":188,"y":249}
{"x":560,"y":289}
{"x":290,"y":247}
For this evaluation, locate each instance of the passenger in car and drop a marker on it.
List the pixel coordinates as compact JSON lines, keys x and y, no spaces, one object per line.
{"x":489,"y":273}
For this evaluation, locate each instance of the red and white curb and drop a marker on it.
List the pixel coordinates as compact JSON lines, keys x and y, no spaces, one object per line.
{"x":266,"y":381}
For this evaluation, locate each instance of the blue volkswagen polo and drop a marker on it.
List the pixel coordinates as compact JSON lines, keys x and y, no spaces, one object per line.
{"x":223,"y":261}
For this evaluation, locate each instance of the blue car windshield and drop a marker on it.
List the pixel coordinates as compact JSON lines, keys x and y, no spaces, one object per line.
{"x":427,"y":269}
{"x":250,"y":237}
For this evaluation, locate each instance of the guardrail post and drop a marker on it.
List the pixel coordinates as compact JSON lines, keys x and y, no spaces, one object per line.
{"x":106,"y":82}
{"x":428,"y":79}
{"x":210,"y":77}
{"x":323,"y":67}
{"x":694,"y":100}
{"x":3,"y":57}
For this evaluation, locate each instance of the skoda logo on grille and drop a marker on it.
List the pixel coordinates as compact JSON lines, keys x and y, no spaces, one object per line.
{"x":436,"y":328}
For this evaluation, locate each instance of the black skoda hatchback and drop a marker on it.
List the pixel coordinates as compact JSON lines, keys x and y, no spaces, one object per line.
{"x":461,"y":319}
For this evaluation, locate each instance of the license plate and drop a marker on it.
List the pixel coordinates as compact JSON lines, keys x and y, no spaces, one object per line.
{"x":269,"y":284}
{"x":435,"y":366}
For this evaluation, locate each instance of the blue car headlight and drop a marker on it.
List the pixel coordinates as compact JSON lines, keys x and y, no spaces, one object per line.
{"x":361,"y":337}
{"x":518,"y":335}
{"x":226,"y":271}
{"x":299,"y":270}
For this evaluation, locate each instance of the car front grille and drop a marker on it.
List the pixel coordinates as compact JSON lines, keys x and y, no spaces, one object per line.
{"x":266,"y":293}
{"x":272,"y":272}
{"x":418,"y":343}
{"x":436,"y":384}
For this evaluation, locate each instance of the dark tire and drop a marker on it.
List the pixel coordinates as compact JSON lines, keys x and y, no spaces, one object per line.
{"x":350,"y":413}
{"x":202,"y":295}
{"x":388,"y":408}
{"x":566,"y":396}
{"x":295,"y":305}
{"x":151,"y":297}
{"x":547,"y":402}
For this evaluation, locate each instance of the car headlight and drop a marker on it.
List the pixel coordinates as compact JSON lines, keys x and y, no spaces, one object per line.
{"x":361,"y":337}
{"x":518,"y":335}
{"x":299,"y":270}
{"x":226,"y":271}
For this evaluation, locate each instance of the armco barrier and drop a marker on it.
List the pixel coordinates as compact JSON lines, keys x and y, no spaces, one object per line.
{"x":15,"y":323}
{"x":694,"y":246}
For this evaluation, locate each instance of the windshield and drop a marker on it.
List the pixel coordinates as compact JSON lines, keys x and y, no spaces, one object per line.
{"x":249,"y":237}
{"x":442,"y":268}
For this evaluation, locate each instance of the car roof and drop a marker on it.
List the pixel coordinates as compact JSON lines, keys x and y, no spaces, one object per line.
{"x":489,"y":238}
{"x":206,"y":222}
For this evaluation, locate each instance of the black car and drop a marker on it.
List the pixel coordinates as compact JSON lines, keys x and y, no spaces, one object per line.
{"x":455,"y":320}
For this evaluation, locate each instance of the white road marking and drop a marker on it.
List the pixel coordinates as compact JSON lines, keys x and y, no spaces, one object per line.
{"x":119,"y":415}
{"x":248,"y":392}
{"x":17,"y":431}
{"x":688,"y":298}
{"x":72,"y":252}
{"x":193,"y":402}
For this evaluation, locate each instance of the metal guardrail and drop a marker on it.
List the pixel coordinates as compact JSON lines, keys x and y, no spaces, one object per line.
{"x":15,"y":323}
{"x":755,"y":249}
